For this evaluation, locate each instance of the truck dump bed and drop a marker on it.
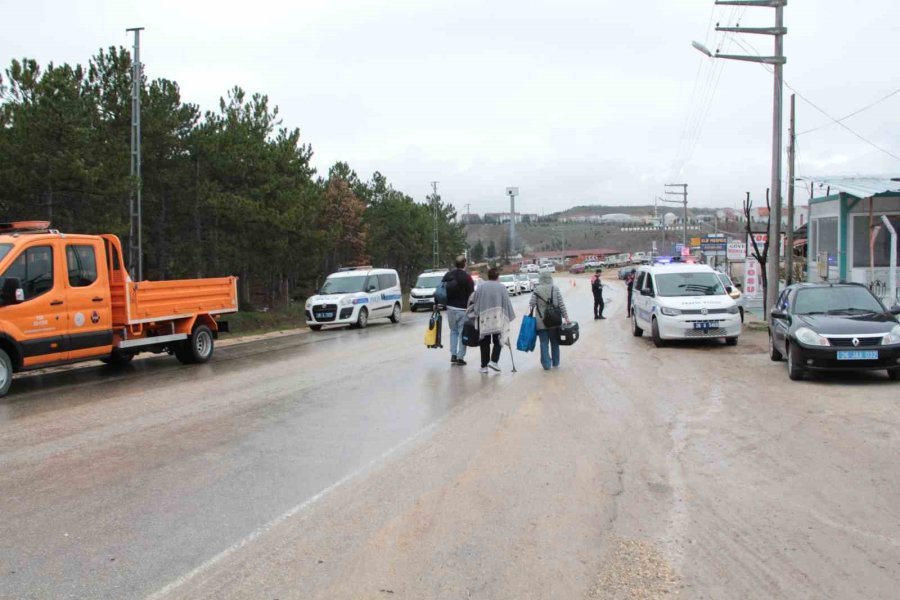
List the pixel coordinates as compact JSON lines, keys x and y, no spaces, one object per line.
{"x":181,"y":298}
{"x":150,"y":301}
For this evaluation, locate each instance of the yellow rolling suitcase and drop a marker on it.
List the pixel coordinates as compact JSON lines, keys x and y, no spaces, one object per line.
{"x":433,"y":333}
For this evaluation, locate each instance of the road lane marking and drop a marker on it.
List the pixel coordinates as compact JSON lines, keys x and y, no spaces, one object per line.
{"x":182,"y":580}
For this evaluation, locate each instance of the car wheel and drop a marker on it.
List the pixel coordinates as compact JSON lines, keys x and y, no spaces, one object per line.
{"x":6,"y":372}
{"x":774,"y":354}
{"x":654,"y":333}
{"x":363,"y":319}
{"x":894,"y":374}
{"x":731,"y":341}
{"x":795,"y":371}
{"x":635,"y":330}
{"x":316,"y":327}
{"x":395,"y":316}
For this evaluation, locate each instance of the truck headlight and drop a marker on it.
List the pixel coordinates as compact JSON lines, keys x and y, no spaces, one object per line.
{"x":893,"y":337}
{"x":811,"y":338}
{"x":670,"y":312}
{"x":346,"y":301}
{"x":309,"y":302}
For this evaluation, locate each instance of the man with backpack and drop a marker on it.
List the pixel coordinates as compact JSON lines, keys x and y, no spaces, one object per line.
{"x":459,"y":287}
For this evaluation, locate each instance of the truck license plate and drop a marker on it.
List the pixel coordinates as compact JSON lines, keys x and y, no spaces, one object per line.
{"x":705,"y":325}
{"x":325,"y":315}
{"x":857,"y":355}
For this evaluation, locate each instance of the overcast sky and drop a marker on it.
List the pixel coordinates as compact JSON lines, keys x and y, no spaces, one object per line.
{"x":573,"y":101}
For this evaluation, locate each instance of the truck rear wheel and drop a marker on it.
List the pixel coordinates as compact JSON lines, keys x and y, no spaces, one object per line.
{"x":6,"y":372}
{"x":196,"y":349}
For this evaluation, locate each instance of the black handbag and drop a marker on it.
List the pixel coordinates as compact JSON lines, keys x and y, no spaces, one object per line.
{"x":552,"y":316}
{"x":470,"y":337}
{"x":568,"y":334}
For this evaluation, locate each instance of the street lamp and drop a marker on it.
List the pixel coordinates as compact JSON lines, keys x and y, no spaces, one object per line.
{"x":777,"y":61}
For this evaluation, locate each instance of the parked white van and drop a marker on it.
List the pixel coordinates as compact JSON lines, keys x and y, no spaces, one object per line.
{"x":422,"y":295}
{"x":354,"y":295}
{"x":683,"y":301}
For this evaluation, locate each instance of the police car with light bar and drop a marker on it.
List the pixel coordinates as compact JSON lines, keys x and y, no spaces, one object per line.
{"x":679,"y":299}
{"x":353,"y":296}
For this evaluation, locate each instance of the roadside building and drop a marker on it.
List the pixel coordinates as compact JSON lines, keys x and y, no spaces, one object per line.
{"x":847,"y":239}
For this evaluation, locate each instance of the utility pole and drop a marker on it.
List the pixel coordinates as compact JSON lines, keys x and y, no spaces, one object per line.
{"x":434,"y":211}
{"x":135,"y":252}
{"x":512,"y":192}
{"x":789,"y":242}
{"x":777,"y":61}
{"x":684,"y":196}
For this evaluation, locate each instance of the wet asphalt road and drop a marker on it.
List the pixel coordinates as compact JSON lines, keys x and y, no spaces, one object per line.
{"x":358,"y":464}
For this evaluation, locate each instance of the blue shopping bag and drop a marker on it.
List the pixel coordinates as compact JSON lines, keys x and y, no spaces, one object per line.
{"x":527,"y":334}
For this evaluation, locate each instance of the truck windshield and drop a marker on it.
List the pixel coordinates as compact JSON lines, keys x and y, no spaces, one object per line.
{"x":429,"y":281}
{"x":4,"y":250}
{"x":689,"y":284}
{"x":344,"y":285}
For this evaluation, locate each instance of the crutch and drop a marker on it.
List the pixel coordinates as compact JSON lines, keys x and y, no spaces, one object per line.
{"x":511,"y":357}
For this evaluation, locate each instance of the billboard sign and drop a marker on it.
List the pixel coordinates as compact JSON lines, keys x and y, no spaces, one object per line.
{"x":736,"y":250}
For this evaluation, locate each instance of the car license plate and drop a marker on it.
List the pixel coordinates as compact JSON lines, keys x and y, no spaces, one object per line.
{"x":325,"y":315}
{"x":706,"y":325}
{"x":857,"y":355}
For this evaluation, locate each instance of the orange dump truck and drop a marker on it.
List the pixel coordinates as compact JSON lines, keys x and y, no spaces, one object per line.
{"x":68,"y":298}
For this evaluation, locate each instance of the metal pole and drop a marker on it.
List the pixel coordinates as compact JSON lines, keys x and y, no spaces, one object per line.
{"x":135,"y":240}
{"x":435,"y":249}
{"x":773,"y":262}
{"x":789,"y":242}
{"x":892,"y":275}
{"x":684,"y":218}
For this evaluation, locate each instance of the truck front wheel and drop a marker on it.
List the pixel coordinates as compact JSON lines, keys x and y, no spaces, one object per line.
{"x":6,"y":372}
{"x":196,"y":349}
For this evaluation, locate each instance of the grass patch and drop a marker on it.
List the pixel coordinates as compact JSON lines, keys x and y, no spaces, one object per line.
{"x":257,"y":322}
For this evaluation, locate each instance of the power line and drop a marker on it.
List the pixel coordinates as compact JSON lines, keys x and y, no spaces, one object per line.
{"x":854,"y":113}
{"x":750,"y":48}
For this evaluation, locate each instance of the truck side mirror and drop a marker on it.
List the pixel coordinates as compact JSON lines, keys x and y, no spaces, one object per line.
{"x":12,"y":291}
{"x":646,"y":292}
{"x":895,"y":310}
{"x":779,"y":314}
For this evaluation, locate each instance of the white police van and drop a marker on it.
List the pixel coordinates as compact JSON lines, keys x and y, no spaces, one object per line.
{"x":422,"y":295}
{"x":353,"y":296}
{"x":675,"y":300}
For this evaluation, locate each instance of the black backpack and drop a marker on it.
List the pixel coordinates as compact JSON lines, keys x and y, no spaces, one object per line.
{"x":552,"y":316}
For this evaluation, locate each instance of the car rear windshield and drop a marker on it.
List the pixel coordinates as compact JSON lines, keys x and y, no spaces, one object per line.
{"x":429,"y":281}
{"x":507,"y":278}
{"x":835,"y":300}
{"x":344,"y":285}
{"x":689,"y":284}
